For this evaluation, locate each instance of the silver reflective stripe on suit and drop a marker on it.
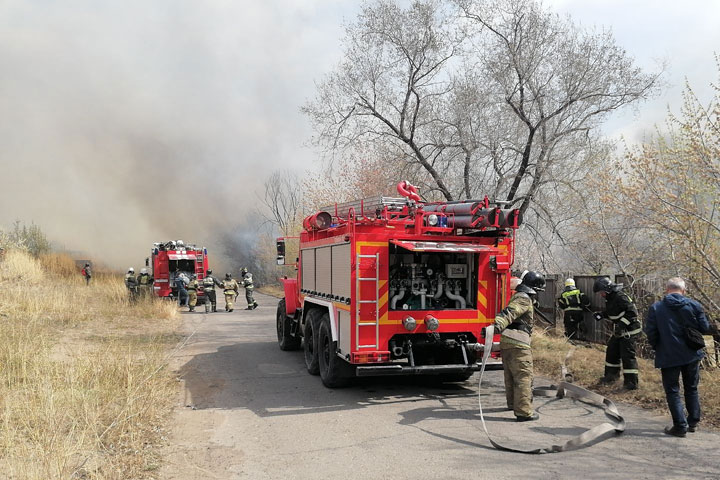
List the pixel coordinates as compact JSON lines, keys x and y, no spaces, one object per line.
{"x":517,"y":335}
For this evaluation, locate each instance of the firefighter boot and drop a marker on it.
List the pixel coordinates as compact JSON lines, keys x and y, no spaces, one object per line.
{"x":214,"y":308}
{"x":255,"y":305}
{"x":192,"y":309}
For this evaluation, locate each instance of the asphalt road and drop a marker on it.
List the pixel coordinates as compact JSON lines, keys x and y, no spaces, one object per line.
{"x":247,"y":410}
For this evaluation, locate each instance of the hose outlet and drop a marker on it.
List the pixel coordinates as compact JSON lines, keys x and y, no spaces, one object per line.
{"x":431,"y":323}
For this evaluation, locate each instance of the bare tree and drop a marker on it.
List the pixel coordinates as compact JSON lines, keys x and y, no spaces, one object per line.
{"x":558,"y":81}
{"x":498,"y":97}
{"x":282,"y":202}
{"x":388,"y":88}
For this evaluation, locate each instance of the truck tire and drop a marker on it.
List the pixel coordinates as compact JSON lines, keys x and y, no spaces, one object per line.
{"x":310,"y":341}
{"x":334,"y":372}
{"x":285,"y":340}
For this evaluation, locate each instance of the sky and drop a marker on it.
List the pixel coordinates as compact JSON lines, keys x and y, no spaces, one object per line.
{"x":683,"y":34}
{"x":127,"y":123}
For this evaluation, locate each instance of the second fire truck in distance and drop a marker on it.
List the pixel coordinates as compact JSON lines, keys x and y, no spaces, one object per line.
{"x":397,"y":286}
{"x":167,"y":260}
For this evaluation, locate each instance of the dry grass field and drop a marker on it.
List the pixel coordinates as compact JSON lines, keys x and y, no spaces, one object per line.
{"x":587,"y":364}
{"x":84,"y":389}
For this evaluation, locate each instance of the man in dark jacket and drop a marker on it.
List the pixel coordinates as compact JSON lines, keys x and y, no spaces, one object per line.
{"x":665,"y":329}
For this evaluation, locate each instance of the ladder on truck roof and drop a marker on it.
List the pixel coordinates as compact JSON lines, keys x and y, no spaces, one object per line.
{"x":359,"y":301}
{"x":365,"y":206}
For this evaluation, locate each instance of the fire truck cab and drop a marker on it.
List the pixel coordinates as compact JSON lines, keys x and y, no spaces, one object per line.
{"x":396,"y":286}
{"x":167,"y":260}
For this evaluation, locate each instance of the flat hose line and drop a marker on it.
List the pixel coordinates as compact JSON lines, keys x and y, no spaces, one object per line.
{"x":564,"y":389}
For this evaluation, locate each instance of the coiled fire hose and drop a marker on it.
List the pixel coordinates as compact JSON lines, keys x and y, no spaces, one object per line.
{"x":564,"y":389}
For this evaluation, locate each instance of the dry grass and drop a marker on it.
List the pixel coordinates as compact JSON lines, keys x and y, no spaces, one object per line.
{"x":587,"y":366}
{"x":274,"y":290}
{"x":83,"y":386}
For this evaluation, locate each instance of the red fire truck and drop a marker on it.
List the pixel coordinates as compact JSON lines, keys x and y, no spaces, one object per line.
{"x":167,"y":260}
{"x":397,"y":286}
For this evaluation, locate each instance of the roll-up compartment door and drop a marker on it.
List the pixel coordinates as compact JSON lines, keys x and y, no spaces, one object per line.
{"x":323,"y":269}
{"x":421,"y":246}
{"x":341,"y":270}
{"x":308,"y":268}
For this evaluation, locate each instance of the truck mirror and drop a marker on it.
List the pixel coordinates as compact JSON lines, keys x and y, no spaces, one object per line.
{"x":280,"y":251}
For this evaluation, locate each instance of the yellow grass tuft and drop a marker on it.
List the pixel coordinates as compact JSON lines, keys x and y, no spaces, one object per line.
{"x":84,"y":390}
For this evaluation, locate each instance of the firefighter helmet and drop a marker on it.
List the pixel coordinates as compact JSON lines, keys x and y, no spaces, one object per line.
{"x":131,"y":270}
{"x":143,"y":271}
{"x":569,"y":282}
{"x":243,"y":271}
{"x":209,"y":272}
{"x":228,"y":276}
{"x":531,"y":282}
{"x":603,"y":284}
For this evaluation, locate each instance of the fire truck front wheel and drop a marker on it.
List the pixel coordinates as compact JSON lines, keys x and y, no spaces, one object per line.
{"x":334,"y":372}
{"x":285,"y":340}
{"x":312,"y":321}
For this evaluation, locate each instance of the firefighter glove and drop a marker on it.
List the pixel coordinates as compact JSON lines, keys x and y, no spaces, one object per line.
{"x":597,"y":316}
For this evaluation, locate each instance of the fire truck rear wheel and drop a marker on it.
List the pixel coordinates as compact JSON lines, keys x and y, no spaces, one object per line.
{"x":310,"y":341}
{"x":285,"y":340}
{"x":334,"y":372}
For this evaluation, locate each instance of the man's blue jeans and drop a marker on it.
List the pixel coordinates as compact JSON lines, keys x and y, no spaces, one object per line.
{"x":671,"y":383}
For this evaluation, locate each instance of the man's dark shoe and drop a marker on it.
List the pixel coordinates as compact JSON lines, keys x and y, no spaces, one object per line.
{"x":534,"y":416}
{"x":675,"y":431}
{"x":692,"y":428}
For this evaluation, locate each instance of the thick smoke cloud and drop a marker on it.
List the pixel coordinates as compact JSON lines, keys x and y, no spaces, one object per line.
{"x":126,"y":123}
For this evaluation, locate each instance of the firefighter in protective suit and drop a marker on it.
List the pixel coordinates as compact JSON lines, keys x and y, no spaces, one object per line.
{"x":515,"y":323}
{"x":621,"y":310}
{"x":247,"y":282}
{"x":231,"y":290}
{"x":144,"y":281}
{"x":572,"y":302}
{"x":209,"y":283}
{"x":131,"y":284}
{"x":192,"y":289}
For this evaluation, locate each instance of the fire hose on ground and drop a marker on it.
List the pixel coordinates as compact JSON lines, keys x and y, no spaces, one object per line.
{"x":563,"y":390}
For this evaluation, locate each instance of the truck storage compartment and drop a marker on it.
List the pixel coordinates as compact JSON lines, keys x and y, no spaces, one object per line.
{"x":433,"y":275}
